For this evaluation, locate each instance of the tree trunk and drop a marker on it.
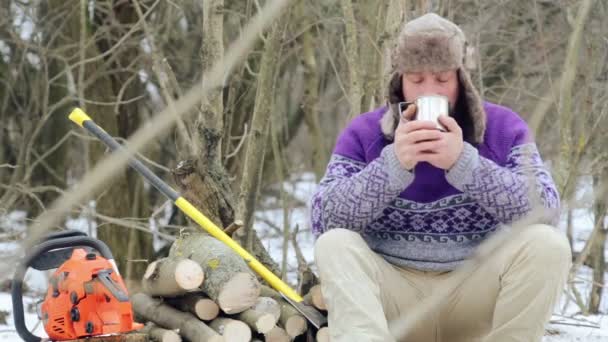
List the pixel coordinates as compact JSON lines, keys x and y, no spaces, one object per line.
{"x":351,"y":52}
{"x":211,"y":119}
{"x":228,"y":280}
{"x":311,"y":95}
{"x":165,"y":316}
{"x":373,"y":17}
{"x":567,"y":170}
{"x":396,"y":15}
{"x":597,"y":256}
{"x":257,"y":136}
{"x":205,"y":191}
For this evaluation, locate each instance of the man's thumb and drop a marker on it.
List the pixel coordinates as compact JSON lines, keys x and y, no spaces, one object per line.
{"x":409,"y":113}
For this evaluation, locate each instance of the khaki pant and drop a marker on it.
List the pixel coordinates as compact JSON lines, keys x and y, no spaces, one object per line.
{"x":509,"y":297}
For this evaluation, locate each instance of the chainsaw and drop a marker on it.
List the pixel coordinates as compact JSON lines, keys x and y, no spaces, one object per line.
{"x":86,"y":295}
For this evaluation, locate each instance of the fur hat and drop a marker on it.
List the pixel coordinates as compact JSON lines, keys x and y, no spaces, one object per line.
{"x":432,"y":43}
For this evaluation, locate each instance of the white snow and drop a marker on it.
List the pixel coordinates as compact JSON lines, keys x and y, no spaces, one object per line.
{"x":7,"y":331}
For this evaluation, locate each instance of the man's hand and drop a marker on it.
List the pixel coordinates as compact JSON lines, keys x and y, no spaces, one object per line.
{"x":417,"y":141}
{"x":445,"y":151}
{"x":412,"y":138}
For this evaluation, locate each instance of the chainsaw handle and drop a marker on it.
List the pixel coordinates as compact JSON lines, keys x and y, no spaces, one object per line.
{"x":63,"y":234}
{"x":46,"y":246}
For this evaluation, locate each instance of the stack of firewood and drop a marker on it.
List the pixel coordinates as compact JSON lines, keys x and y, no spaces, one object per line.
{"x":203,"y":291}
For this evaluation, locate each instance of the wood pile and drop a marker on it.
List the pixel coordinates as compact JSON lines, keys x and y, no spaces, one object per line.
{"x":203,"y":291}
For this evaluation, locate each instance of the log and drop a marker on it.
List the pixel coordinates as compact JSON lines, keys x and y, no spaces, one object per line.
{"x":130,"y":337}
{"x":228,"y":280}
{"x":165,"y":316}
{"x":269,"y":305}
{"x":231,"y":329}
{"x":315,"y":298}
{"x":295,"y":325}
{"x":323,"y":335}
{"x":158,"y":334}
{"x":203,"y":307}
{"x":263,"y":316}
{"x":277,"y":334}
{"x":260,"y":322}
{"x":169,"y":277}
{"x":291,"y":319}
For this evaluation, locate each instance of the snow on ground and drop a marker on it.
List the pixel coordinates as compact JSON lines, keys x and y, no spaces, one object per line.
{"x":567,"y":326}
{"x":7,"y":331}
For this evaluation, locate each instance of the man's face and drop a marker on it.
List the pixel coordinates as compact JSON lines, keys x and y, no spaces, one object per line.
{"x":444,"y":83}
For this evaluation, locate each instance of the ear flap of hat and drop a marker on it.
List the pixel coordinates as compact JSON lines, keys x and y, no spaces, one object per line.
{"x":390,"y":118}
{"x":474,"y":104}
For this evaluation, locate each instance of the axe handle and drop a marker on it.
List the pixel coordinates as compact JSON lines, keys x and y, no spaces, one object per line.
{"x":82,"y":119}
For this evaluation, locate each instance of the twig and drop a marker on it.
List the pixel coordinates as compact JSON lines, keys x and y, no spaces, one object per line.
{"x":240,"y":144}
{"x":233,"y":227}
{"x":575,"y":324}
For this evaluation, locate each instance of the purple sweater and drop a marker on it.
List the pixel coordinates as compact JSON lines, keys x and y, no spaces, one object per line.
{"x":431,"y":219}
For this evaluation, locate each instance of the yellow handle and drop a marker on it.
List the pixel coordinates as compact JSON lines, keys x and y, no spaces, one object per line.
{"x":78,"y":116}
{"x":219,"y":234}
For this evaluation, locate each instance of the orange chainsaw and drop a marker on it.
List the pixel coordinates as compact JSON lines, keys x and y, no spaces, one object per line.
{"x":86,"y":294}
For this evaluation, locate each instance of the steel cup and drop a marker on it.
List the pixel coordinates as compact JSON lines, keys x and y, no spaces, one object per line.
{"x":430,"y":107}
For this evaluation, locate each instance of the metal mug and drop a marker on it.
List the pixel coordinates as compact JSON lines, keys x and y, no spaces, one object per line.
{"x":429,"y":108}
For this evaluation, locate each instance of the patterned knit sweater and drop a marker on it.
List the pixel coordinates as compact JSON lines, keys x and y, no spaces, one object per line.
{"x":430,"y":219}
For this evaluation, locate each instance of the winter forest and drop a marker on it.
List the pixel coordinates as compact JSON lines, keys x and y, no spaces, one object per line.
{"x":237,"y":106}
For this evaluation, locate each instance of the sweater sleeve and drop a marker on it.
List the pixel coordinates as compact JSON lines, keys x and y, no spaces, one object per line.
{"x":511,"y":191}
{"x":353,"y":194}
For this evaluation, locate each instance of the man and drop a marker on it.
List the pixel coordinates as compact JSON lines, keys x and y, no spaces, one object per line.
{"x":403,"y":204}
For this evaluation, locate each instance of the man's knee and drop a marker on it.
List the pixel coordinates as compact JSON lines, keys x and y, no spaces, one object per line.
{"x":336,"y":243}
{"x":547,"y":244}
{"x":335,"y":239}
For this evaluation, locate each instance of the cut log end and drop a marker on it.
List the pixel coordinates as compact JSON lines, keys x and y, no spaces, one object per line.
{"x":265,"y":323}
{"x":268,"y":305}
{"x":277,"y":334}
{"x":237,"y":331}
{"x":206,"y":309}
{"x":150,"y":270}
{"x":187,"y":274}
{"x":317,"y":298}
{"x":232,"y":330}
{"x":172,"y":276}
{"x":239,"y":293}
{"x":296,"y":326}
{"x":323,"y":335}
